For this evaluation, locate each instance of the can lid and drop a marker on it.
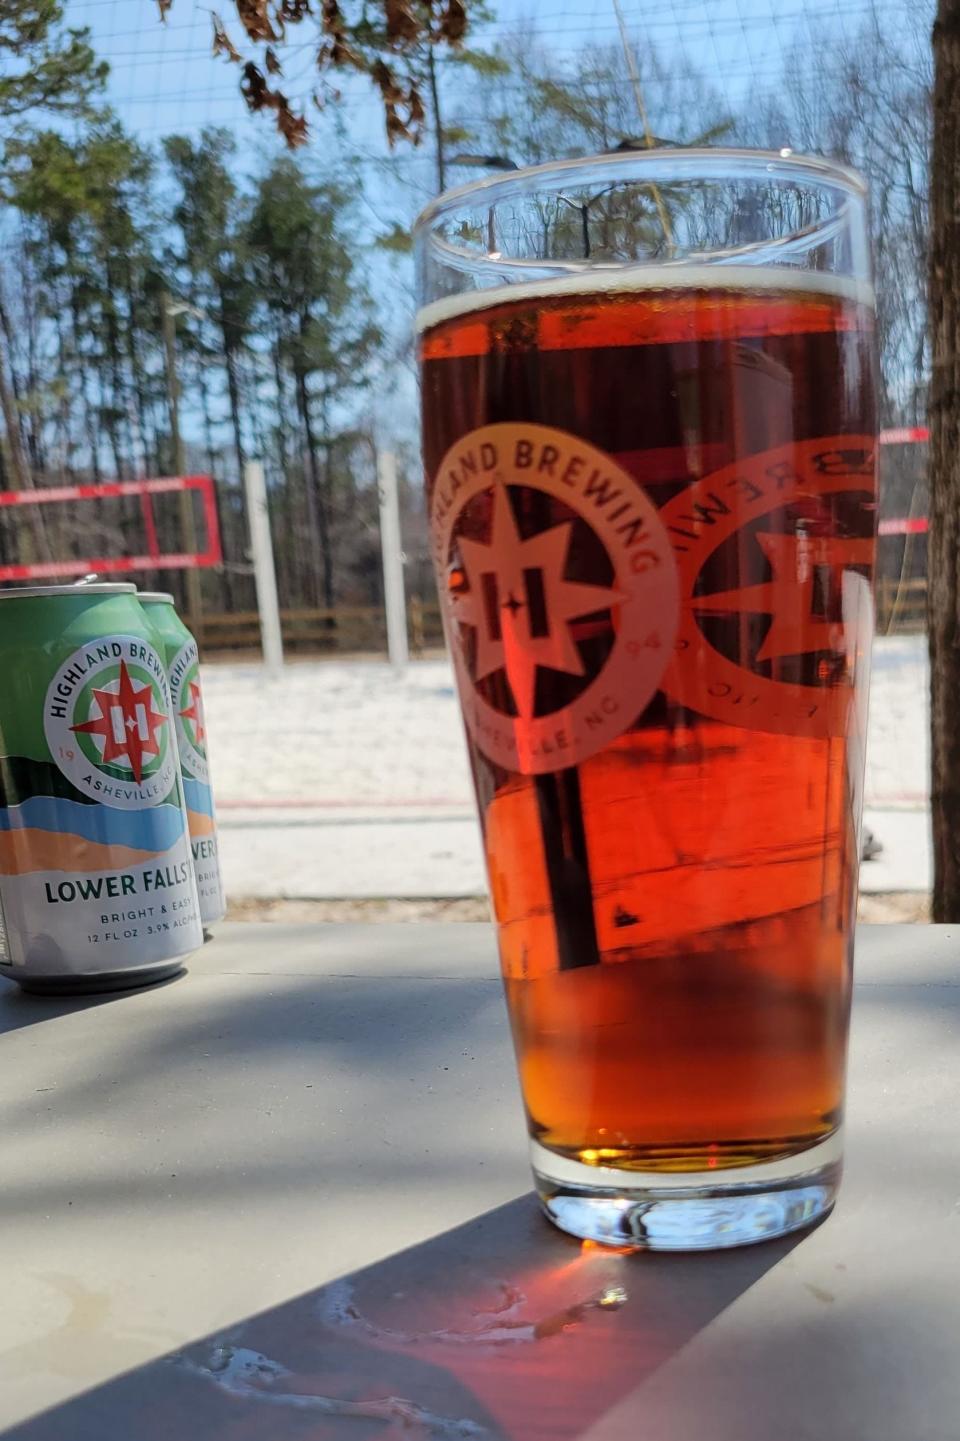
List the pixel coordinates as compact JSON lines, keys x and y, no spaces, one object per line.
{"x":104,"y":587}
{"x":155,"y":597}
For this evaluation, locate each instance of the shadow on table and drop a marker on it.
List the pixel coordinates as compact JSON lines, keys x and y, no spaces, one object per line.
{"x":19,"y":1008}
{"x":501,"y":1328}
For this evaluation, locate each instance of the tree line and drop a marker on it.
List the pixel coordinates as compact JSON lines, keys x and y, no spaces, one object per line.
{"x":274,"y":332}
{"x":280,"y":308}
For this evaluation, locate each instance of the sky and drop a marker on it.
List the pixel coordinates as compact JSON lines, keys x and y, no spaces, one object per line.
{"x":163,"y":78}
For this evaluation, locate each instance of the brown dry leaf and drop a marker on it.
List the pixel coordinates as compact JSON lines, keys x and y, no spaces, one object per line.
{"x":402,"y":24}
{"x":332,"y":18}
{"x":417,"y":113}
{"x":273,"y":64}
{"x":293,"y":128}
{"x":258,"y":95}
{"x":255,"y":19}
{"x":222,"y":44}
{"x":453,"y":24}
{"x":254,"y":88}
{"x":396,"y":130}
{"x":163,"y":6}
{"x":416,"y":126}
{"x":384,"y":78}
{"x":342,"y":54}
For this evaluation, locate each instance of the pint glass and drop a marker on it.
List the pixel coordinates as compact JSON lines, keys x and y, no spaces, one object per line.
{"x":648,"y":434}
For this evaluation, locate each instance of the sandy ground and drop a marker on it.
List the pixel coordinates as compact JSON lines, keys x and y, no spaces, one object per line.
{"x":345,"y":783}
{"x":896,"y":906}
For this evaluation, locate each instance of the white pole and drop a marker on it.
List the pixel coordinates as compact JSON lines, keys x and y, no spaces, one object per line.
{"x":261,"y":548}
{"x":393,"y":596}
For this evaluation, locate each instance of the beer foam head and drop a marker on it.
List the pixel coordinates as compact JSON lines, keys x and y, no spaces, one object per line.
{"x":625,"y":279}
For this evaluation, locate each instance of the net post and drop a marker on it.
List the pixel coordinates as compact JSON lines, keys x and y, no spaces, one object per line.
{"x":392,"y":555}
{"x":261,"y":547}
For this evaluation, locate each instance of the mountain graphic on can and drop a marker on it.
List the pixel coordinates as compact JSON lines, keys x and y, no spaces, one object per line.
{"x":179,"y":650}
{"x":97,"y":887}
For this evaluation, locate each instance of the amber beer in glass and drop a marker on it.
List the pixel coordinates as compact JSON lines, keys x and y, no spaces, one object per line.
{"x":648,"y":431}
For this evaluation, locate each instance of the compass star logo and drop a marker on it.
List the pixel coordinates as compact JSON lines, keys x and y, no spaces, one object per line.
{"x":559,"y":591}
{"x":520,"y":603}
{"x":108,"y":723}
{"x":781,"y":650}
{"x":802,"y":567}
{"x":191,"y":720}
{"x":194,"y":713}
{"x":126,"y":723}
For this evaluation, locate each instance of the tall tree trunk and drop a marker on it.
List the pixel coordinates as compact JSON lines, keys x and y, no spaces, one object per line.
{"x":279,"y":381}
{"x":316,"y":521}
{"x":226,"y":583}
{"x":230,"y":356}
{"x":117,"y":416}
{"x":8,"y":550}
{"x":151,"y":447}
{"x":118,"y":396}
{"x":64,"y":428}
{"x":233,"y":382}
{"x":89,"y":421}
{"x":35,"y":445}
{"x":315,"y":484}
{"x":89,"y":424}
{"x":326,"y":498}
{"x":233,"y":389}
{"x":288,"y":539}
{"x":944,"y":551}
{"x":19,"y":463}
{"x":20,"y":470}
{"x":10,"y":340}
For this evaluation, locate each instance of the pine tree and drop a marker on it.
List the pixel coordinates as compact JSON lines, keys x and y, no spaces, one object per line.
{"x":42,"y":68}
{"x":302,"y":250}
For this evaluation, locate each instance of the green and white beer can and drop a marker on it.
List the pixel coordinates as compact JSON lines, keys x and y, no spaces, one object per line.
{"x":179,"y":650}
{"x":97,"y":889}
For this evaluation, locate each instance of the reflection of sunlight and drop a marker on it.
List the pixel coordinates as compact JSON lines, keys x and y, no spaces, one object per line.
{"x":527,"y":1309}
{"x":607,"y":1250}
{"x":251,"y":1376}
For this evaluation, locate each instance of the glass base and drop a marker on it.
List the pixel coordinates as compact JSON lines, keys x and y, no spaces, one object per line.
{"x":691,"y":1211}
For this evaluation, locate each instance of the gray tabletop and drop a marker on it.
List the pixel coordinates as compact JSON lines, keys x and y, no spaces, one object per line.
{"x":286,"y":1197}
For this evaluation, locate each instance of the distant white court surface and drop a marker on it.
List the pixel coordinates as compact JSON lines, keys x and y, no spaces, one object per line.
{"x":343,"y":779}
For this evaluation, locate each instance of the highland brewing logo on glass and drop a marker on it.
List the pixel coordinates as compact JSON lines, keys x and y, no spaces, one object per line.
{"x":107,"y":723}
{"x":777,"y":650}
{"x":562,"y":595}
{"x":571,"y":599}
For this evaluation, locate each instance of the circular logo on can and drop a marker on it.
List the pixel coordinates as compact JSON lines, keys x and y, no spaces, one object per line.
{"x":187,"y":699}
{"x":559,"y":592}
{"x":106,"y":718}
{"x":775,"y":553}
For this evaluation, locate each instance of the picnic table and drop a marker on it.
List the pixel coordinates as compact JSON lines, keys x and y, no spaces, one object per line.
{"x":286,"y":1196}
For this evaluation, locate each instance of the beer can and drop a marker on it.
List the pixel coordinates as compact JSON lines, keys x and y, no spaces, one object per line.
{"x":179,"y":650}
{"x":97,"y":890}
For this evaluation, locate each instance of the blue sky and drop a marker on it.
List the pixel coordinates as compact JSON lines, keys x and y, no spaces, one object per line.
{"x":164,"y":79}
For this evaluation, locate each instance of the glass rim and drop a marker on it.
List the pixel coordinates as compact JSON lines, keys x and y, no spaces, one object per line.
{"x":715,"y":162}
